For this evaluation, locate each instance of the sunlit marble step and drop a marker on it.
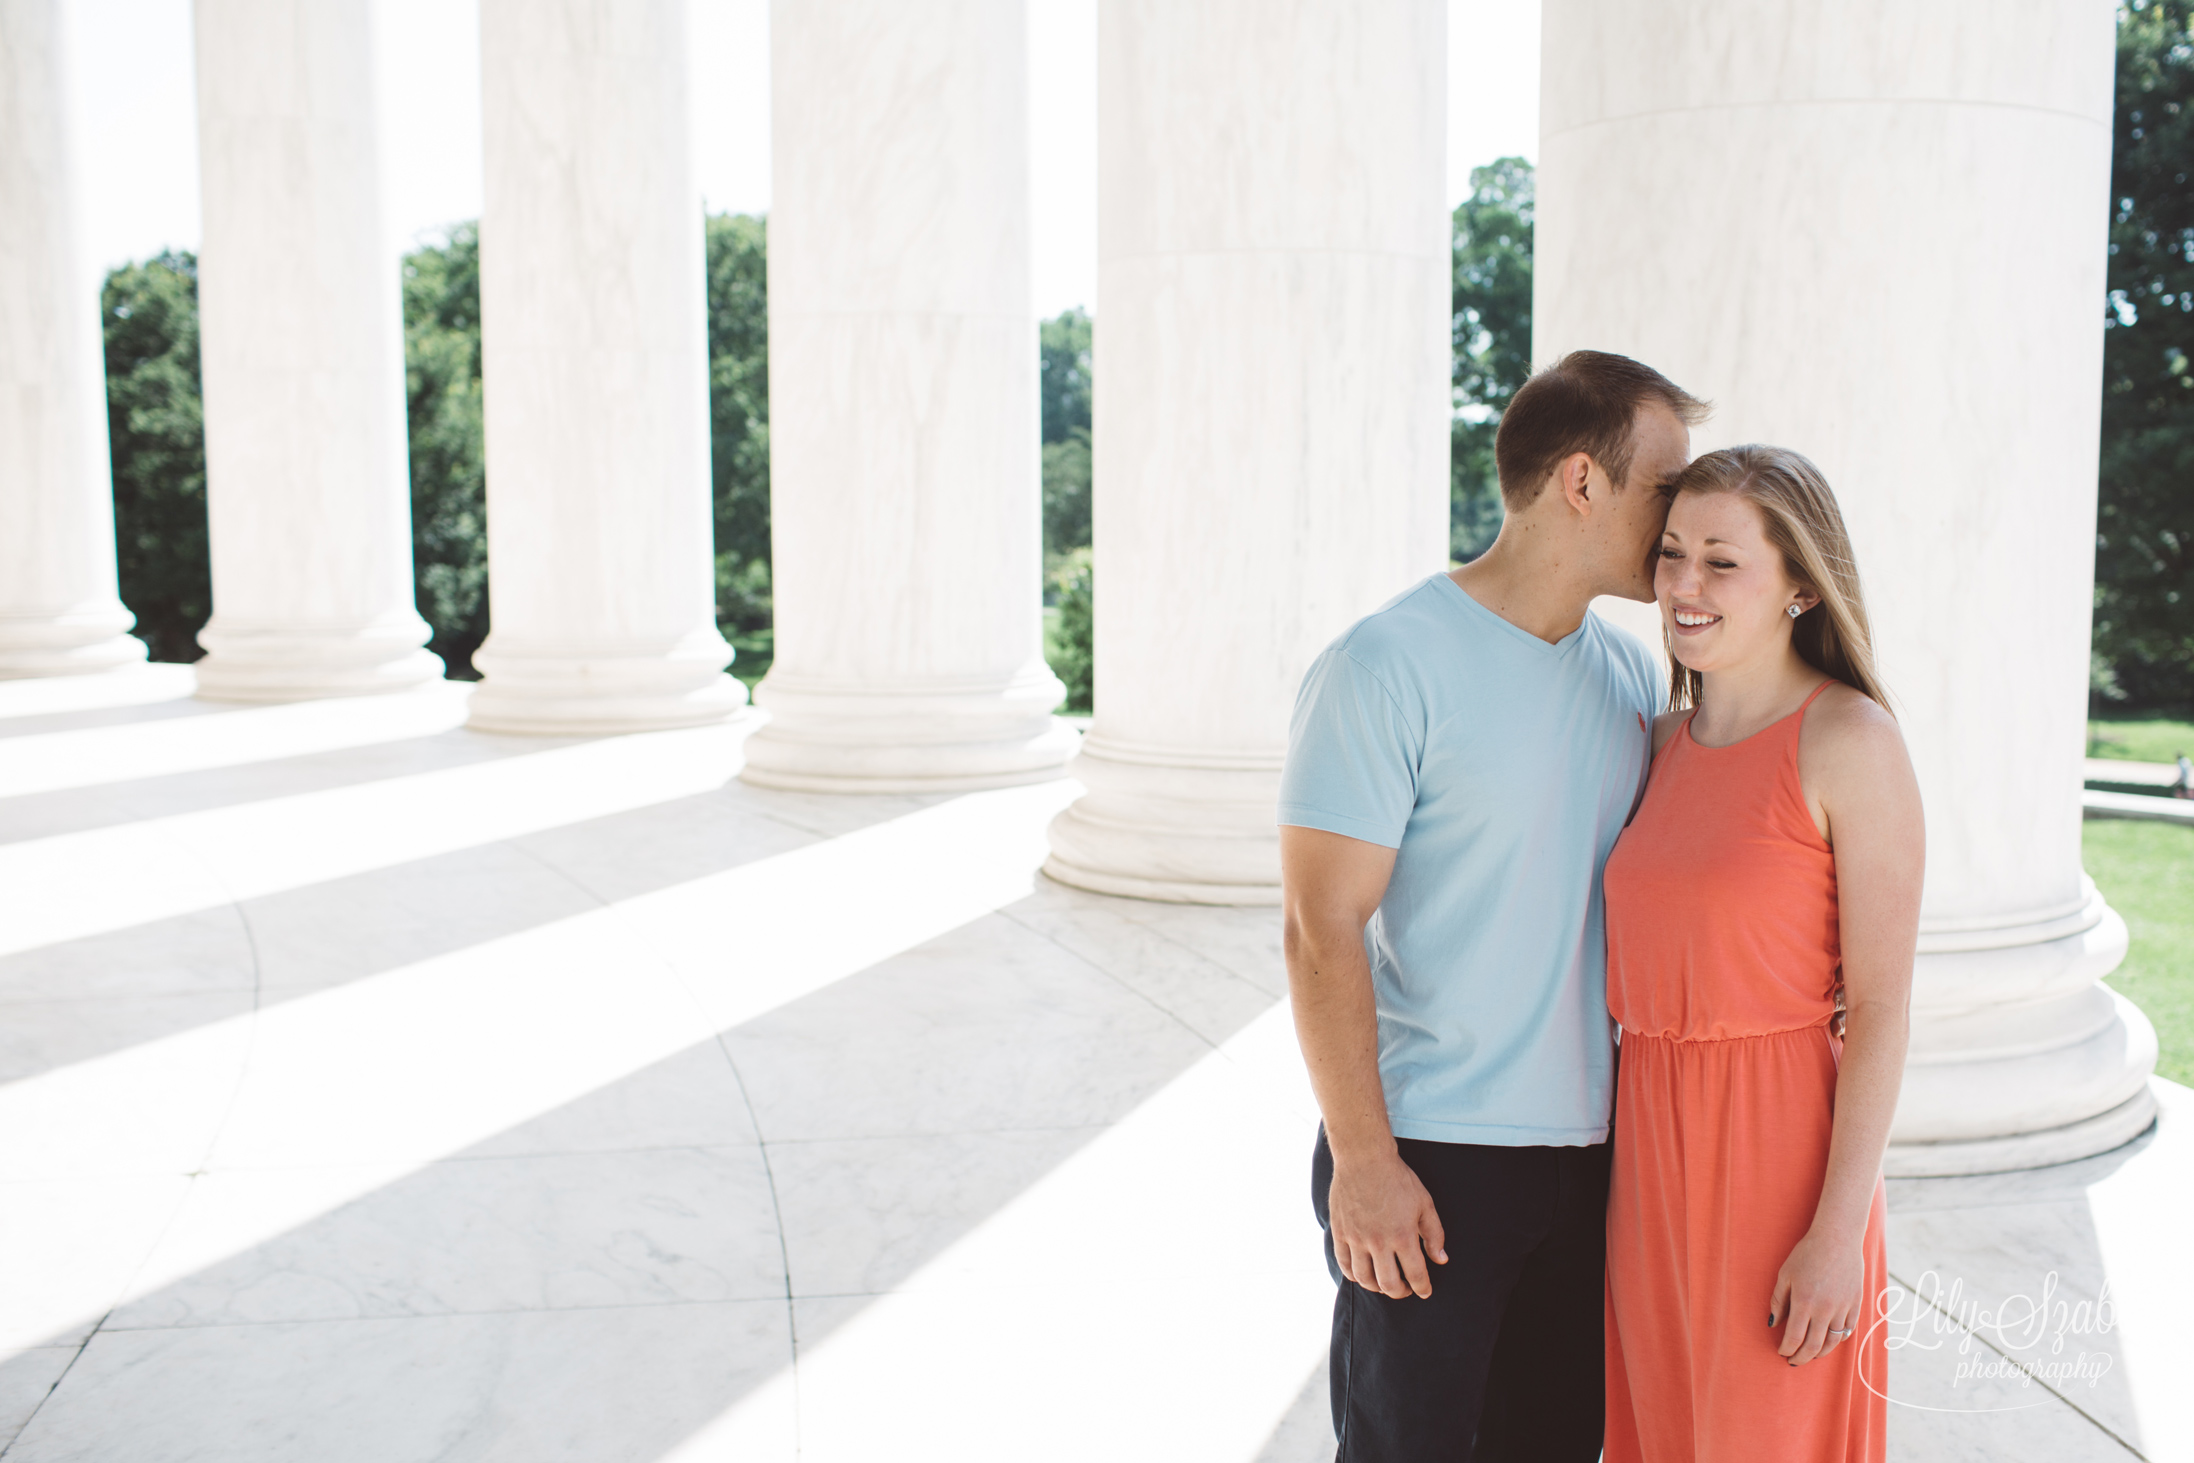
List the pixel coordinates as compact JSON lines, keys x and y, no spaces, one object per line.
{"x":2130,"y":774}
{"x":2143,"y":806}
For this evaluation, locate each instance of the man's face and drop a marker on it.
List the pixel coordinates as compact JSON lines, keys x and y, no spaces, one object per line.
{"x":1660,"y":447}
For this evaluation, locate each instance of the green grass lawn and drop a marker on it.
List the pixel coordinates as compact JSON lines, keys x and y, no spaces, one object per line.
{"x":2146,"y":871}
{"x":2140,"y":739}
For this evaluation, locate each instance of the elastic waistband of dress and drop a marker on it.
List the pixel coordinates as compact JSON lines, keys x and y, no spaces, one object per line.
{"x":1632,"y":1034}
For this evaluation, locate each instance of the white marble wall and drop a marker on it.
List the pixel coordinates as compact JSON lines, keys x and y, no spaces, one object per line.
{"x":308,"y":498}
{"x":903,"y":411}
{"x":1271,"y":405}
{"x":58,"y":609}
{"x":1874,"y":232}
{"x":593,"y":310}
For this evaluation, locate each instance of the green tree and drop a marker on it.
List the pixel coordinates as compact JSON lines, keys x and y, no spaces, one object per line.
{"x":1063,"y":377}
{"x":1492,"y":341}
{"x":449,"y":527}
{"x":1063,"y":372}
{"x":738,"y":367}
{"x":2144,"y":546}
{"x":149,"y":316}
{"x":1066,"y":495}
{"x":1073,"y":632}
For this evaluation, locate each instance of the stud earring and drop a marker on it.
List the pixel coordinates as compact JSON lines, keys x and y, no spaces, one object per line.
{"x":1795,"y":612}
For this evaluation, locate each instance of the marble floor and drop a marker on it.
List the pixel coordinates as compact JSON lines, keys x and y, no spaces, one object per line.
{"x":376,"y":1090}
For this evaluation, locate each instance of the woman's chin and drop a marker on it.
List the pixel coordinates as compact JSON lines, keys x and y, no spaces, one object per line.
{"x":1693,"y":662}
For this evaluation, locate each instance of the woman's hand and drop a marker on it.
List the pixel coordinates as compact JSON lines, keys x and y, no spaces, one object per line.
{"x":1820,"y":1289}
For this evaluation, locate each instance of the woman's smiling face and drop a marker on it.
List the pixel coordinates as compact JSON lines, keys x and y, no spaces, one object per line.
{"x":1725,"y":596}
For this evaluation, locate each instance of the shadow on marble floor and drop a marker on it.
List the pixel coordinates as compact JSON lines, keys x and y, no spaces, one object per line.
{"x":93,"y":718}
{"x":635,"y":1263}
{"x":2005,"y":1327}
{"x":98,"y":766}
{"x":108,"y":805}
{"x":1305,"y":1433}
{"x":78,"y":999}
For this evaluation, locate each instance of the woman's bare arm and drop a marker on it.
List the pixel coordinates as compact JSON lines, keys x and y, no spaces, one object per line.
{"x":1859,"y":779}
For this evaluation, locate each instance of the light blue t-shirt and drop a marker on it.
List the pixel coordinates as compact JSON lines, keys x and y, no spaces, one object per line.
{"x":1501,"y":769}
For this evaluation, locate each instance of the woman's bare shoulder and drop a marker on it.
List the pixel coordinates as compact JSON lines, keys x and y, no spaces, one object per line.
{"x":1845,"y":711}
{"x":1848,"y":734}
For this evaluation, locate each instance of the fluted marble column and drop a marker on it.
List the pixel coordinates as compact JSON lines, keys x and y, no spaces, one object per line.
{"x":904,"y":494}
{"x":1271,"y":405}
{"x":308,"y":487}
{"x":58,"y":610}
{"x":593,"y":308}
{"x":1874,"y":232}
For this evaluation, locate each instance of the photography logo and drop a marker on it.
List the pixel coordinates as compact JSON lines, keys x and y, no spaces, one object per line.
{"x":2031,"y":1343}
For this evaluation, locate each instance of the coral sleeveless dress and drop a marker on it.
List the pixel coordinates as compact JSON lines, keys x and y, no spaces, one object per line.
{"x":1722,"y":963}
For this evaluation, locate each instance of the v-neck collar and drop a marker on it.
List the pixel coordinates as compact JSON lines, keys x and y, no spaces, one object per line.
{"x":1558,"y":649}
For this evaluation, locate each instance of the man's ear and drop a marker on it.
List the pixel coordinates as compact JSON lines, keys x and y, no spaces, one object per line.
{"x":1573,"y":480}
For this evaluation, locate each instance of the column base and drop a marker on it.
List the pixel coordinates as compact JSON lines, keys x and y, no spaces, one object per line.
{"x":78,"y":642}
{"x":1172,"y":825}
{"x":290,"y":662}
{"x":2084,"y":1139}
{"x":935,"y":737}
{"x":564,"y":690}
{"x":2020,"y":1057}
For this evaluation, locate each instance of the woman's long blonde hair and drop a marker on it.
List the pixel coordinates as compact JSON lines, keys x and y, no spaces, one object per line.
{"x":1804,"y":522}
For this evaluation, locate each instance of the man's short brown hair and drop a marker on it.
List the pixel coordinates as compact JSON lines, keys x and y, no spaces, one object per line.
{"x":1585,"y":402}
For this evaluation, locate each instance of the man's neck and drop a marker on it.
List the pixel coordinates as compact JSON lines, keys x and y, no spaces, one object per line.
{"x":1529,"y":580}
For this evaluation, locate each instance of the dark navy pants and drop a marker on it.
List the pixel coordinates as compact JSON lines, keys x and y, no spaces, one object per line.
{"x":1504,"y":1361}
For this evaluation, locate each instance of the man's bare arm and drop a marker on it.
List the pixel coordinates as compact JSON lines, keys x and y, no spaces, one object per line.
{"x":1382,"y":1219}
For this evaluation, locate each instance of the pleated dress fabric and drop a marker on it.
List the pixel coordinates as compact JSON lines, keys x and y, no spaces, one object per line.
{"x":1723,"y":958}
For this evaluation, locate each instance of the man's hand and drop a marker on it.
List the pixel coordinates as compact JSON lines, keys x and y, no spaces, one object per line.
{"x":1384,"y":1226}
{"x":1381,"y":1218}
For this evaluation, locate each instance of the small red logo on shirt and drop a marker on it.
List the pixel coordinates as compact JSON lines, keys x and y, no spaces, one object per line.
{"x":1641,"y":721}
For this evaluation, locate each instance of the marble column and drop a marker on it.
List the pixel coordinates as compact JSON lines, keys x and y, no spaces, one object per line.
{"x":593,"y":311}
{"x":904,"y":494}
{"x":59,"y":614}
{"x":1874,"y":232}
{"x":308,"y":486}
{"x":1271,"y":405}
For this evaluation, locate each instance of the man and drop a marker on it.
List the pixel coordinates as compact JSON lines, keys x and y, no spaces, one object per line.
{"x":1459,"y":765}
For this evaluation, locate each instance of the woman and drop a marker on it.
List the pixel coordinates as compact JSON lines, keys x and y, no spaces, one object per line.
{"x":1769,"y":881}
